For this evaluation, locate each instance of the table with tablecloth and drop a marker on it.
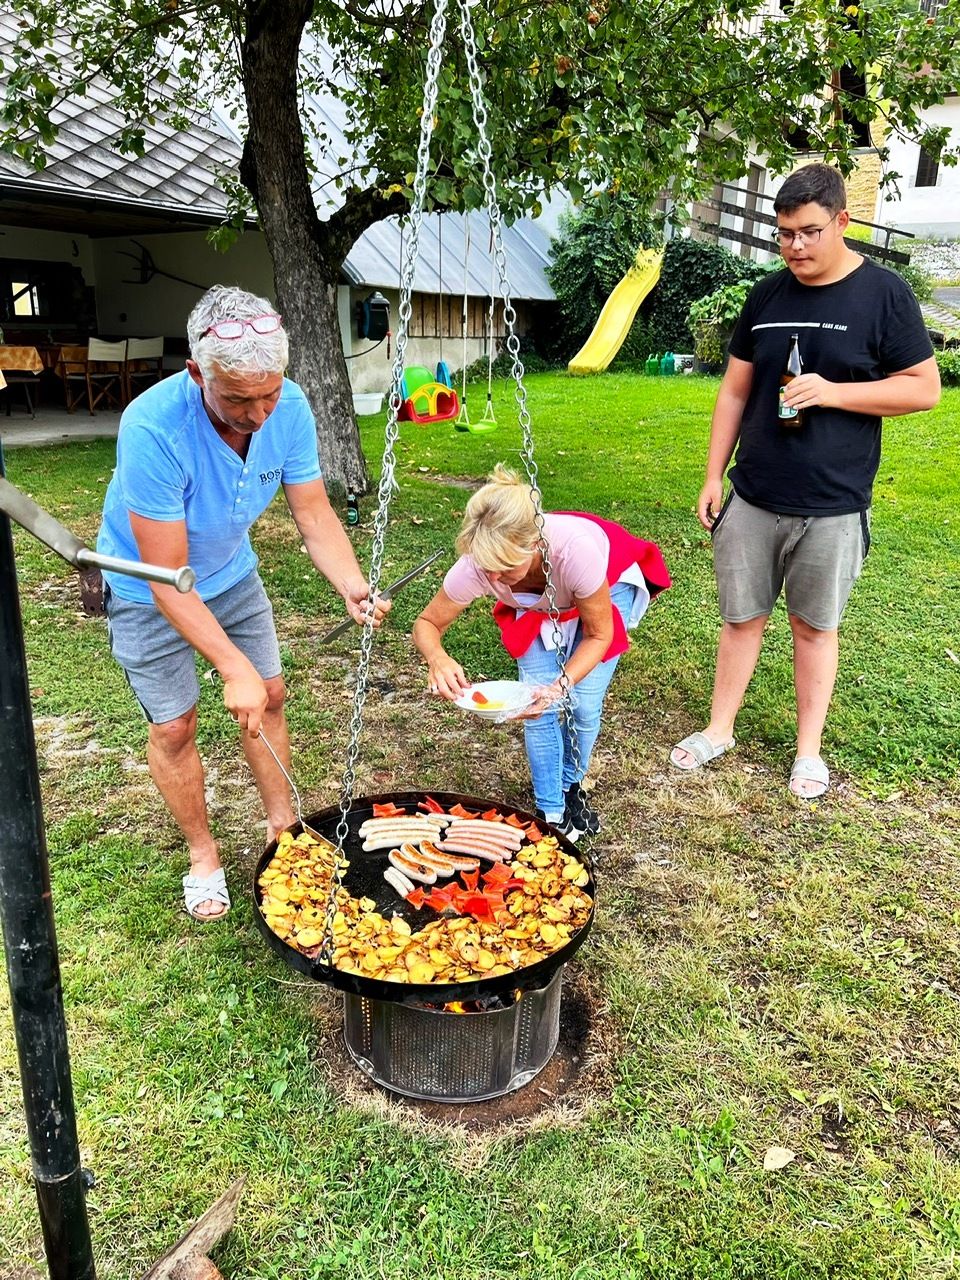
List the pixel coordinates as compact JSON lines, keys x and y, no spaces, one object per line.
{"x":22,"y":361}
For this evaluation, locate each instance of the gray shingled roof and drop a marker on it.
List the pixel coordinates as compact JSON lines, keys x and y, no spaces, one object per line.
{"x":177,"y":176}
{"x":178,"y":171}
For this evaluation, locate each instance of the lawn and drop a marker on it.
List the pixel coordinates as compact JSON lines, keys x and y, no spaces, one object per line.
{"x":762,"y":973}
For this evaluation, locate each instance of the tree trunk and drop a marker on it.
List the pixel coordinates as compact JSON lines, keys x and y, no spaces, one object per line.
{"x":305,"y":270}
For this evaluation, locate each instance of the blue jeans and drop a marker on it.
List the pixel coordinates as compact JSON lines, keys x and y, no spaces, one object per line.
{"x":547,"y":740}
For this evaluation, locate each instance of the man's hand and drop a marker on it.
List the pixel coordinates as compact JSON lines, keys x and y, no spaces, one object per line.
{"x":809,"y":391}
{"x":357,"y":600}
{"x":245,"y":697}
{"x":709,"y":503}
{"x":446,"y":678}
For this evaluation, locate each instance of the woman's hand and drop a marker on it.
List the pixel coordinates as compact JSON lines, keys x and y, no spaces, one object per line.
{"x":446,"y":677}
{"x":543,"y":697}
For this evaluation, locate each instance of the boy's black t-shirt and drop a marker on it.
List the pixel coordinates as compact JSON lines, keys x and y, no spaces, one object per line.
{"x":859,"y":329}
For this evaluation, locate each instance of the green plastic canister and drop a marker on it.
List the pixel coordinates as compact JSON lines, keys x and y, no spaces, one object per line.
{"x":668,"y":365}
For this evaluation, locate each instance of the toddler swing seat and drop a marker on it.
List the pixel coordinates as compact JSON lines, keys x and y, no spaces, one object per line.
{"x":426,"y":399}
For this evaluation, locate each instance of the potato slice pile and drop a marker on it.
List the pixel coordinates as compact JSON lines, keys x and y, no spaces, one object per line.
{"x":535,"y":921}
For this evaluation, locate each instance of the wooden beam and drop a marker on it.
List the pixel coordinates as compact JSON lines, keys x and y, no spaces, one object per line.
{"x":744,"y":237}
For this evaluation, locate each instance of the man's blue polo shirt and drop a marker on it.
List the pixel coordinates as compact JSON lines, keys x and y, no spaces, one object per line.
{"x":172,"y":465}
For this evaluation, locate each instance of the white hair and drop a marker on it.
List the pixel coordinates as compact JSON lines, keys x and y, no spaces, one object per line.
{"x":252,"y":353}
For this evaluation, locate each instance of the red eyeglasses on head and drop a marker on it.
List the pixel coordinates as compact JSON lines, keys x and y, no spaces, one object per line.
{"x":230,"y":329}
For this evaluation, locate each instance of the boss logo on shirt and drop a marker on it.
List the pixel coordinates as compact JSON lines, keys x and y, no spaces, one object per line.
{"x":267,"y":477}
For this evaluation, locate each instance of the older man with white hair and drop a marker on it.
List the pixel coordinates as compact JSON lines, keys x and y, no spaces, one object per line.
{"x":200,"y":456}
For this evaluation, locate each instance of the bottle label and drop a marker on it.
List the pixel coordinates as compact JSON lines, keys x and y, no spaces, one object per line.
{"x":786,"y":410}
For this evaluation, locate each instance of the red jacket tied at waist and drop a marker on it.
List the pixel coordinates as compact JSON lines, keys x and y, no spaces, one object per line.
{"x":519,"y":632}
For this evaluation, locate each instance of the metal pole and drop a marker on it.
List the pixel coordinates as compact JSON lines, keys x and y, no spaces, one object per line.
{"x":33,"y":966}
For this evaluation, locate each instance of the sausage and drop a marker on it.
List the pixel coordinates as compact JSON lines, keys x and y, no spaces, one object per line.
{"x":478,"y":838}
{"x":429,"y":850}
{"x":376,"y":825}
{"x":397,"y":880}
{"x":411,"y":869}
{"x":391,"y":839}
{"x":437,"y":862}
{"x":489,"y":852}
{"x":498,"y":831}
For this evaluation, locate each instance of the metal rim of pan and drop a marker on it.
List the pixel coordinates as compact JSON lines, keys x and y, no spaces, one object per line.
{"x":529,"y":977}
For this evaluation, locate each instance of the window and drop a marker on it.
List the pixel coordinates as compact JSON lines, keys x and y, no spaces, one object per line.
{"x":928,"y":167}
{"x":39,"y":291}
{"x":25,"y":300}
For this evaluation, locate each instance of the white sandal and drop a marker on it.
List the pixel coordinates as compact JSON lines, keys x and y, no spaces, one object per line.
{"x":702,"y":749}
{"x":211,"y":888}
{"x":809,"y":769}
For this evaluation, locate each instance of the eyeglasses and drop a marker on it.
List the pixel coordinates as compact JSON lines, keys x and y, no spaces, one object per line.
{"x":230,"y":329}
{"x":809,"y":235}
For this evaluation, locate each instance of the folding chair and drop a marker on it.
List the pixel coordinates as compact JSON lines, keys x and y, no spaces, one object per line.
{"x":106,"y":373}
{"x":144,"y":365}
{"x":71,"y":368}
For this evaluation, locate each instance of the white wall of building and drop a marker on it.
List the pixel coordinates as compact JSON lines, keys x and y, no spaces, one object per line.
{"x":926,"y":211}
{"x":49,"y":246}
{"x":161,"y":306}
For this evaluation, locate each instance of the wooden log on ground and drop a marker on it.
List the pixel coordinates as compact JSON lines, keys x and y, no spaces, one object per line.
{"x":188,"y":1260}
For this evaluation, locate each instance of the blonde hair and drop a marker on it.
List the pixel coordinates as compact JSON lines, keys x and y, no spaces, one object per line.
{"x":499,"y":530}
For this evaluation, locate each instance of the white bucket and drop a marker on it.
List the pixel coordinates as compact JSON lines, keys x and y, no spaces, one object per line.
{"x":367,"y":402}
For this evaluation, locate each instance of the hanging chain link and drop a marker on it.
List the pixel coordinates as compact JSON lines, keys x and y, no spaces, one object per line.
{"x":565,"y":706}
{"x":388,"y":466}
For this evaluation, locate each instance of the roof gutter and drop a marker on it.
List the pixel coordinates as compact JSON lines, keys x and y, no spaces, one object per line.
{"x":51,"y":193}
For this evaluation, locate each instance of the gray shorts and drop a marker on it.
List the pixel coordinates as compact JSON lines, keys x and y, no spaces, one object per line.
{"x":159,"y":664}
{"x":814,"y":559}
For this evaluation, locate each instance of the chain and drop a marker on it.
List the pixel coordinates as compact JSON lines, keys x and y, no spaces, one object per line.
{"x":388,"y":466}
{"x":565,"y":706}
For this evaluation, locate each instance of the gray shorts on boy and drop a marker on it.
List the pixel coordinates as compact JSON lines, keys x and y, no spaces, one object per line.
{"x":814,"y":560}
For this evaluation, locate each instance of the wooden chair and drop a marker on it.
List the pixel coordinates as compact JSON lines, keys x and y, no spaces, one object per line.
{"x":106,"y":373}
{"x":71,"y":368}
{"x":144,"y":365}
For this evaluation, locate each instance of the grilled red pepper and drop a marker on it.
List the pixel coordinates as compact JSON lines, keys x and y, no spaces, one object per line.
{"x":478,"y":905}
{"x":429,"y":805}
{"x":458,"y":811}
{"x":388,"y":811}
{"x":492,"y":815}
{"x":416,"y":898}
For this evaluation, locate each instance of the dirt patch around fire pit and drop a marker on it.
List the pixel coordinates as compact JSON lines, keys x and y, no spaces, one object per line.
{"x":575,"y":1075}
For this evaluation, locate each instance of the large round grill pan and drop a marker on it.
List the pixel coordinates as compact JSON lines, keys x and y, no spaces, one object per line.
{"x":364,"y":878}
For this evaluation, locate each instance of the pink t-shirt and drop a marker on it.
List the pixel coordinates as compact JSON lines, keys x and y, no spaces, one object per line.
{"x":579,"y":553}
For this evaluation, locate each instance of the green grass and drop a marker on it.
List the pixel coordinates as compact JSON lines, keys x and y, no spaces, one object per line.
{"x":763,"y":973}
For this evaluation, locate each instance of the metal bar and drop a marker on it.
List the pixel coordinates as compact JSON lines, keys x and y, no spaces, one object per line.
{"x":49,"y":531}
{"x":33,"y":966}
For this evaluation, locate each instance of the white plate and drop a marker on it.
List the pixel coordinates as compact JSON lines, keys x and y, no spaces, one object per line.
{"x":502,"y":697}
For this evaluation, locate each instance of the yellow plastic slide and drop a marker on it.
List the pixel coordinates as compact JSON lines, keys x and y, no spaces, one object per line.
{"x":617,"y":315}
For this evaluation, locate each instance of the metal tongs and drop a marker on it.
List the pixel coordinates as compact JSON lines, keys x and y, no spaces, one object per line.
{"x":304,"y":826}
{"x":343,"y":627}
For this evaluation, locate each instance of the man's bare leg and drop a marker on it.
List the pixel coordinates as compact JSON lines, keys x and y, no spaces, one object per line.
{"x":178,"y":773}
{"x":737,"y":655}
{"x":816,"y":655}
{"x":271,"y":783}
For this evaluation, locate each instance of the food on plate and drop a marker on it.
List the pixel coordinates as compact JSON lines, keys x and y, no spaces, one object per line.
{"x":508,"y":917}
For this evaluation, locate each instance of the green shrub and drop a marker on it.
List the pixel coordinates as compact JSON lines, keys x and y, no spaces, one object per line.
{"x":948,"y":362}
{"x":532,"y":361}
{"x":596,"y":246}
{"x":711,"y":320}
{"x":691,"y":270}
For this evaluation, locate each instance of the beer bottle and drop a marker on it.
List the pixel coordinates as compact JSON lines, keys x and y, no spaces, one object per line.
{"x":353,"y":509}
{"x":791,"y":418}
